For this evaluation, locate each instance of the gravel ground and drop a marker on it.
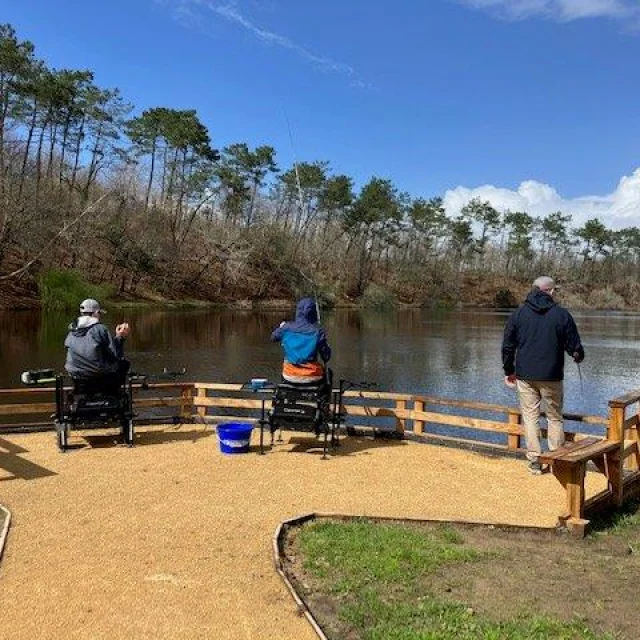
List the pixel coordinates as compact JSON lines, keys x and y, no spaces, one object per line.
{"x":172,"y":539}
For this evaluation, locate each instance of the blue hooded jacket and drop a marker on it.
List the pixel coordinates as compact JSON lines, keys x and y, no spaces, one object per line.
{"x":303,"y":339}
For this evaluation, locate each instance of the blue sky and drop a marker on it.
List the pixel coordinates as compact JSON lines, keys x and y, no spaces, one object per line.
{"x":529,"y":101}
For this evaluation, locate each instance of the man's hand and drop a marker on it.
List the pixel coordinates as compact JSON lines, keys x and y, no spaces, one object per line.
{"x":578,"y":357}
{"x":122,"y":330}
{"x":510,"y":380}
{"x":283,"y":323}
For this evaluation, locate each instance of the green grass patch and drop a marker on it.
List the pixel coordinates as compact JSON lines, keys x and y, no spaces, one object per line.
{"x":65,"y":289}
{"x":378,"y":576}
{"x":356,"y":554}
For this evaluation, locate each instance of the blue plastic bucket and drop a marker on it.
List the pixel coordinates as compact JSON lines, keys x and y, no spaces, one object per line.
{"x":234,"y":437}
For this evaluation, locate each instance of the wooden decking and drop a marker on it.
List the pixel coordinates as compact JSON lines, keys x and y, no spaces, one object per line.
{"x":172,"y":539}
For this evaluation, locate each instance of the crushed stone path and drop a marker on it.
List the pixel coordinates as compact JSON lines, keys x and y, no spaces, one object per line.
{"x":172,"y":539}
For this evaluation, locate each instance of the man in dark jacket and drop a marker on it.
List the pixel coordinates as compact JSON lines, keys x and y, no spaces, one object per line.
{"x":303,"y":340}
{"x":536,"y":337}
{"x":93,"y":355}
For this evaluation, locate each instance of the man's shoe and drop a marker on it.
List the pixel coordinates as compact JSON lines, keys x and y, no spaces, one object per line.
{"x":535,"y":468}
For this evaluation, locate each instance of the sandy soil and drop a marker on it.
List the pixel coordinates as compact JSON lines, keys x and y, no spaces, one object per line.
{"x":172,"y":539}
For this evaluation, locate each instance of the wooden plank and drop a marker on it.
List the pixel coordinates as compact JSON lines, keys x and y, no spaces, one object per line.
{"x":169,"y":401}
{"x":621,"y":402}
{"x":21,"y":409}
{"x":231,"y":403}
{"x":218,"y":386}
{"x":427,"y":416}
{"x":592,"y":451}
{"x":630,"y":422}
{"x":549,"y":456}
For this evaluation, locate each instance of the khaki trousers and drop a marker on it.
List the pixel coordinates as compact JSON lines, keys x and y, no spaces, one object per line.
{"x":531,"y":393}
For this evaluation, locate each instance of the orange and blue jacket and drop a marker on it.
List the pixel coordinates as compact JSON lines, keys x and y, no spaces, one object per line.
{"x":303,"y":340}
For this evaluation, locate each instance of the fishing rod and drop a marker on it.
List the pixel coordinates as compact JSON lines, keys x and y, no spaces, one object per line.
{"x":301,"y":207}
{"x":580,"y":376}
{"x":295,"y":164}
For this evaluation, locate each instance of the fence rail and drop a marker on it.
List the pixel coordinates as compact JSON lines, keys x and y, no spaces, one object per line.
{"x":421,"y":415}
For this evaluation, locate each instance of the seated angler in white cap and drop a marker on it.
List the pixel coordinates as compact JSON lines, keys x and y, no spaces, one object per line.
{"x":93,"y":354}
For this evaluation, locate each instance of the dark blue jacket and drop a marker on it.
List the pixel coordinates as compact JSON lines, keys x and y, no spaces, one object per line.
{"x":536,"y":337}
{"x":303,"y":339}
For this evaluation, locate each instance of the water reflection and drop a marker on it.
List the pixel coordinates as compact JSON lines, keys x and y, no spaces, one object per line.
{"x":454,"y":354}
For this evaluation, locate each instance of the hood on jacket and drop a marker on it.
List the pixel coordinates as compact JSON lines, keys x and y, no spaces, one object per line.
{"x":81,"y":325}
{"x":306,"y":310}
{"x":539,"y":301}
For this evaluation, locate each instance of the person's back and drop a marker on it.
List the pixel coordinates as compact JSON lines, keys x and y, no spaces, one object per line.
{"x":536,"y":337}
{"x":540,"y":331}
{"x":92,"y":353}
{"x":303,"y":340}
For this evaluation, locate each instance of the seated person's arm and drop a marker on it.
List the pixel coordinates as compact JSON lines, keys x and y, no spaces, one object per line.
{"x":276,"y":336}
{"x":323,"y":347}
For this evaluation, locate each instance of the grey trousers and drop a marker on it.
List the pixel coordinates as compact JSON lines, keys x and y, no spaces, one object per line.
{"x":531,"y":394}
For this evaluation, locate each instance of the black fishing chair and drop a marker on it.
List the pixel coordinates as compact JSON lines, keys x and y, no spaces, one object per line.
{"x":308,"y":408}
{"x":94,"y":403}
{"x":99,"y":402}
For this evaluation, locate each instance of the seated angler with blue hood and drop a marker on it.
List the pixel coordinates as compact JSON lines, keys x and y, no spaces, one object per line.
{"x":94,"y":356}
{"x":303,"y":341}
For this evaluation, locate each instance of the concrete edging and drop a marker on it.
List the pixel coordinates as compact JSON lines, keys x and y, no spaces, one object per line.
{"x":5,"y":528}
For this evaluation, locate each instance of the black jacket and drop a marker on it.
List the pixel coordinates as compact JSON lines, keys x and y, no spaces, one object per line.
{"x":536,"y":337}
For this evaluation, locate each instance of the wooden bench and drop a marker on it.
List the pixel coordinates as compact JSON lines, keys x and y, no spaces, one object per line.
{"x":569,"y":465}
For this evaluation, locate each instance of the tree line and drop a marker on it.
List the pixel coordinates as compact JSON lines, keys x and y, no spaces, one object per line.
{"x":146,"y":203}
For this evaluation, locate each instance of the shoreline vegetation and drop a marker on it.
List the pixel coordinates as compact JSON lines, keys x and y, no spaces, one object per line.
{"x":471,"y":293}
{"x":96,"y":196}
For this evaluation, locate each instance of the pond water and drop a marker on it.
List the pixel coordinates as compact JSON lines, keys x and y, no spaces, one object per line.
{"x":451,"y":354}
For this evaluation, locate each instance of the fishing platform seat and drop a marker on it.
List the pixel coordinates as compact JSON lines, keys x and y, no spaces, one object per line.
{"x":303,"y":408}
{"x":94,"y":402}
{"x":569,"y":465}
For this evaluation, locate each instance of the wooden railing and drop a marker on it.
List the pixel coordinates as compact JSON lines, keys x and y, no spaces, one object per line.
{"x":36,"y":414}
{"x":423,"y":416}
{"x":624,"y":430}
{"x":411,"y":413}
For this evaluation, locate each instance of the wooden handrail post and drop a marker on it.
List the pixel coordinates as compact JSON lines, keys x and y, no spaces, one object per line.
{"x":615,"y":432}
{"x":418,"y":425}
{"x":186,"y":406}
{"x":513,"y":439}
{"x":401,"y":405}
{"x":200,"y":394}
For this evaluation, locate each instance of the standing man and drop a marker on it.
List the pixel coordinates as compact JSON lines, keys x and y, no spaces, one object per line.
{"x":536,"y":337}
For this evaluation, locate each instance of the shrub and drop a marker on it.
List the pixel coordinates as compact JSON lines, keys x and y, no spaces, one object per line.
{"x":504,"y":299}
{"x":606,"y":299}
{"x":377,"y":297}
{"x":64,"y":289}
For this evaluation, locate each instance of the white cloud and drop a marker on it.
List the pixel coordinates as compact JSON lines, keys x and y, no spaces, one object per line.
{"x":192,"y":13}
{"x":561,"y":10}
{"x":616,"y":210}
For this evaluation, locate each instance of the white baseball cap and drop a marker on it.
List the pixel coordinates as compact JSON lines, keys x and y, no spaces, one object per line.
{"x":90,"y":306}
